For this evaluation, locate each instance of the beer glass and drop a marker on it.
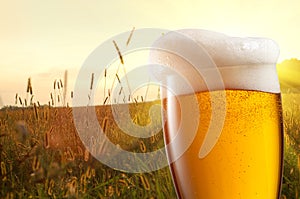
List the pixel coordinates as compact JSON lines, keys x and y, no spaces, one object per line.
{"x":241,"y":155}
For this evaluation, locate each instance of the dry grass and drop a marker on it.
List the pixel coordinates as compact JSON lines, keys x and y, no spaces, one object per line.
{"x":42,"y":156}
{"x":291,"y":116}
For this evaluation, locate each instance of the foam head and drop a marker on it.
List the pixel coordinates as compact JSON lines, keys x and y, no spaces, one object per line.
{"x":243,"y":63}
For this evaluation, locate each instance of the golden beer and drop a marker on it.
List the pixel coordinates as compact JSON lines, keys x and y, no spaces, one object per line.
{"x":246,"y":161}
{"x":222,"y":105}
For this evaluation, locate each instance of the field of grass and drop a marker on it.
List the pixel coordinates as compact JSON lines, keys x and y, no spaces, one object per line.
{"x":291,"y":123}
{"x":41,"y":155}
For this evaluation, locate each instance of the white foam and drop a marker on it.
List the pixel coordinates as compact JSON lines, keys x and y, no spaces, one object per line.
{"x":244,"y":63}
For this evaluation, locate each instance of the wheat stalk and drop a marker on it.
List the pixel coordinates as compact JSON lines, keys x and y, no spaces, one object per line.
{"x":58,"y":85}
{"x":91,"y":88}
{"x":92,"y":81}
{"x":20,"y":101}
{"x":36,"y":111}
{"x":124,"y":70}
{"x":104,"y":90}
{"x":28,"y":85}
{"x":35,"y":163}
{"x":119,"y":52}
{"x":86,"y":155}
{"x":105,"y":100}
{"x":130,"y":36}
{"x":16,"y":99}
{"x":54,"y":98}
{"x":104,"y":124}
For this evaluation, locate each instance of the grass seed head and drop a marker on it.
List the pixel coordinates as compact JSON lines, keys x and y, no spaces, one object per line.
{"x":28,"y":85}
{"x":54,"y":85}
{"x":130,"y":36}
{"x":61,"y":84}
{"x":119,"y":52}
{"x":58,"y":85}
{"x":16,"y":99}
{"x":20,"y":100}
{"x":92,"y":81}
{"x":86,"y":155}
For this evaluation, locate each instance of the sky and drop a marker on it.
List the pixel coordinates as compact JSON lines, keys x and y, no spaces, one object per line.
{"x":42,"y":39}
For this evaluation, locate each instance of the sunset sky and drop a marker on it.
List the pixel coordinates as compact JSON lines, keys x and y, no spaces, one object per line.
{"x":42,"y":39}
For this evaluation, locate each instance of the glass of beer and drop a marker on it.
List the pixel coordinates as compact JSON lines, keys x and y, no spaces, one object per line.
{"x":223,"y":129}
